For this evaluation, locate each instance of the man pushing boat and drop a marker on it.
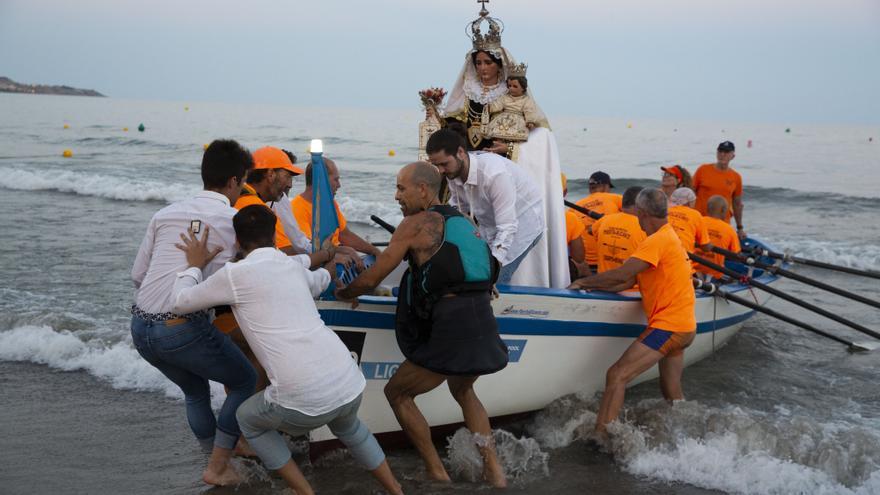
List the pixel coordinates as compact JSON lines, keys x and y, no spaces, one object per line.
{"x":663,"y":270}
{"x":444,"y":325}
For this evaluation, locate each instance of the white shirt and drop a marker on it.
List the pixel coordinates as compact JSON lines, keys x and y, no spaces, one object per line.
{"x":291,"y":228}
{"x":158,"y":261}
{"x":504,"y":200}
{"x":271,"y":294}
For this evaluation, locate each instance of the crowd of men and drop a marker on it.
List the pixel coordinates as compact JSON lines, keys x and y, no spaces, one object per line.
{"x":226,"y":283}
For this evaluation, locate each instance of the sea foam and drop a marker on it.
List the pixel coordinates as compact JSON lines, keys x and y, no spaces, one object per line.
{"x":732,"y":448}
{"x":97,"y":185}
{"x":118,"y":364}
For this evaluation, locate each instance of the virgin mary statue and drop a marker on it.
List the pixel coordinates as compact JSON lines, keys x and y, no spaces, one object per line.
{"x":482,"y":81}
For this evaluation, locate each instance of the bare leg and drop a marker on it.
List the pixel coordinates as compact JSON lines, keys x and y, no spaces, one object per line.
{"x":477,"y":421}
{"x":635,"y":360}
{"x":384,"y":475}
{"x":295,"y":479}
{"x":219,"y":471}
{"x":671,"y":368}
{"x":410,"y":381}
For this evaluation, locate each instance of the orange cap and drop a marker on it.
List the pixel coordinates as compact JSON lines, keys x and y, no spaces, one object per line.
{"x":272,"y":157}
{"x":674,"y":170}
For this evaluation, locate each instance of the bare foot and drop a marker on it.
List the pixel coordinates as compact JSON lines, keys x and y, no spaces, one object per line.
{"x":225,"y":477}
{"x":440,"y":475}
{"x":243,"y":448}
{"x":493,"y":473}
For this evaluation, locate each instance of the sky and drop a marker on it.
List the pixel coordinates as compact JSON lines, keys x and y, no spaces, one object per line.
{"x":745,"y":61}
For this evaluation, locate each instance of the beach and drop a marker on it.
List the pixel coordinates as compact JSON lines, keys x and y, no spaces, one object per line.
{"x":777,"y":410}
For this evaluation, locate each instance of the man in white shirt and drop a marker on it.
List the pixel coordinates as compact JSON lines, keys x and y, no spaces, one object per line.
{"x":186,"y":347}
{"x":501,"y":197}
{"x":313,"y":379}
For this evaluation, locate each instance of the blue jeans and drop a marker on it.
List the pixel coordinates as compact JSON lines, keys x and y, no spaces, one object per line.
{"x":509,"y":269}
{"x":190,"y":354}
{"x":260,"y":421}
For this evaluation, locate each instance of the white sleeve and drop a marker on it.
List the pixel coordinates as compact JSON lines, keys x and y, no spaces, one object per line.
{"x":501,"y":191}
{"x":145,"y":253}
{"x":191,"y":294}
{"x":318,"y":281}
{"x":283,"y":209}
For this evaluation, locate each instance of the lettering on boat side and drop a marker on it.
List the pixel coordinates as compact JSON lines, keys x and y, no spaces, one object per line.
{"x":532,"y":313}
{"x":384,"y":371}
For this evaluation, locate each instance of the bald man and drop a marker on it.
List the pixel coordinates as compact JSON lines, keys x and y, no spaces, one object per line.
{"x":445,"y":327}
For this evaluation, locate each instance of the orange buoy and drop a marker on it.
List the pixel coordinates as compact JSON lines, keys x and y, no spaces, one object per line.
{"x":67,"y":153}
{"x":66,"y":126}
{"x":391,"y":153}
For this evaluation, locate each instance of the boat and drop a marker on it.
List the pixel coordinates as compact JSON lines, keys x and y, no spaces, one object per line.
{"x":559,"y":342}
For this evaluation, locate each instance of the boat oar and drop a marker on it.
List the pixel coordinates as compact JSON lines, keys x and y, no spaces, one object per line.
{"x":776,"y":292}
{"x":590,"y":213}
{"x":782,"y":272}
{"x":715,"y":291}
{"x":382,"y":223}
{"x":818,"y":264}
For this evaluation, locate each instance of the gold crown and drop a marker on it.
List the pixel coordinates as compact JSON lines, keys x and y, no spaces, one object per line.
{"x":491,"y":41}
{"x":518,"y":70}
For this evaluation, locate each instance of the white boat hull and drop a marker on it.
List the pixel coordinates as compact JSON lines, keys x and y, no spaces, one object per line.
{"x":560,"y":342}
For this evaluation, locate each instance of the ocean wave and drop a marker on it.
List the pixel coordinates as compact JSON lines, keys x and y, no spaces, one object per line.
{"x":860,"y":256}
{"x":131,"y":142}
{"x":118,"y":364}
{"x":102,"y":186}
{"x":734,"y":448}
{"x":359,"y":210}
{"x":522,"y":459}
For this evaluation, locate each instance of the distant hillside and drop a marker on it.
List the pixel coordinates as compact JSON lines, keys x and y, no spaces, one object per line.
{"x":9,"y":86}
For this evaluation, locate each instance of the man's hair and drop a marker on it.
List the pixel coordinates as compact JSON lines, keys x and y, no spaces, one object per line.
{"x":629,"y":196}
{"x":652,"y":201}
{"x":425,"y":173}
{"x":256,"y":176}
{"x":223,"y":160}
{"x":254,"y":227}
{"x":445,"y":140}
{"x":717,"y":206}
{"x":309,"y":170}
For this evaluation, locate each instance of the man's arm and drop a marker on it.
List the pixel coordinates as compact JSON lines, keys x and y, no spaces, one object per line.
{"x":188,"y":293}
{"x":501,"y":191}
{"x":145,"y":253}
{"x":616,"y":280}
{"x":738,"y":215}
{"x":352,"y":240}
{"x":386,"y":262}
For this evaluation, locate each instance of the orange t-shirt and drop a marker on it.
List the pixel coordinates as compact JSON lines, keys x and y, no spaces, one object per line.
{"x":689,"y":226}
{"x":574,"y":228}
{"x":723,"y":236}
{"x":709,"y":181}
{"x":302,"y":210}
{"x":249,"y":197}
{"x":667,"y":291}
{"x":617,"y":237}
{"x":599,"y":202}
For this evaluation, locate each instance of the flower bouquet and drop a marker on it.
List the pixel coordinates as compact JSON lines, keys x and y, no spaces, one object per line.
{"x":430,"y":98}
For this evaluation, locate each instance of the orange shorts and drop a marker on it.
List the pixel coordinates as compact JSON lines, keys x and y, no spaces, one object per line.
{"x":668,"y":343}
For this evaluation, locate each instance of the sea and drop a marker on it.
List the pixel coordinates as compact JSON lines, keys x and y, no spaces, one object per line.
{"x":776,"y":411}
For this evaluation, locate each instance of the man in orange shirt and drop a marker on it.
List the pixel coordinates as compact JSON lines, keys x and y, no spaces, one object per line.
{"x":719,"y":179}
{"x":687,"y":222}
{"x":574,"y":230}
{"x":663,"y":271}
{"x":600,"y":200}
{"x":348,"y":243}
{"x":721,"y":234}
{"x":618,"y":234}
{"x":272,"y":172}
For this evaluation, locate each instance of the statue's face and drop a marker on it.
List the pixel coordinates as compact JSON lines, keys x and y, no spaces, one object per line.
{"x":514,"y":88}
{"x":486,"y":68}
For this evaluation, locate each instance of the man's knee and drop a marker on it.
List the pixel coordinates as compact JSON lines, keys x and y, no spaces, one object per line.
{"x":616,"y":375}
{"x":461,"y":391}
{"x":394,"y":393}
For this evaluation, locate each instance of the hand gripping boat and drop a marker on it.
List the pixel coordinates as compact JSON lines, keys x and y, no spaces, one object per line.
{"x":559,"y":342}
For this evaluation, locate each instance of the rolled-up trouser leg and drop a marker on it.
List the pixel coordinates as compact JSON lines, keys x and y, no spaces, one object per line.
{"x":352,"y":432}
{"x":259,"y":420}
